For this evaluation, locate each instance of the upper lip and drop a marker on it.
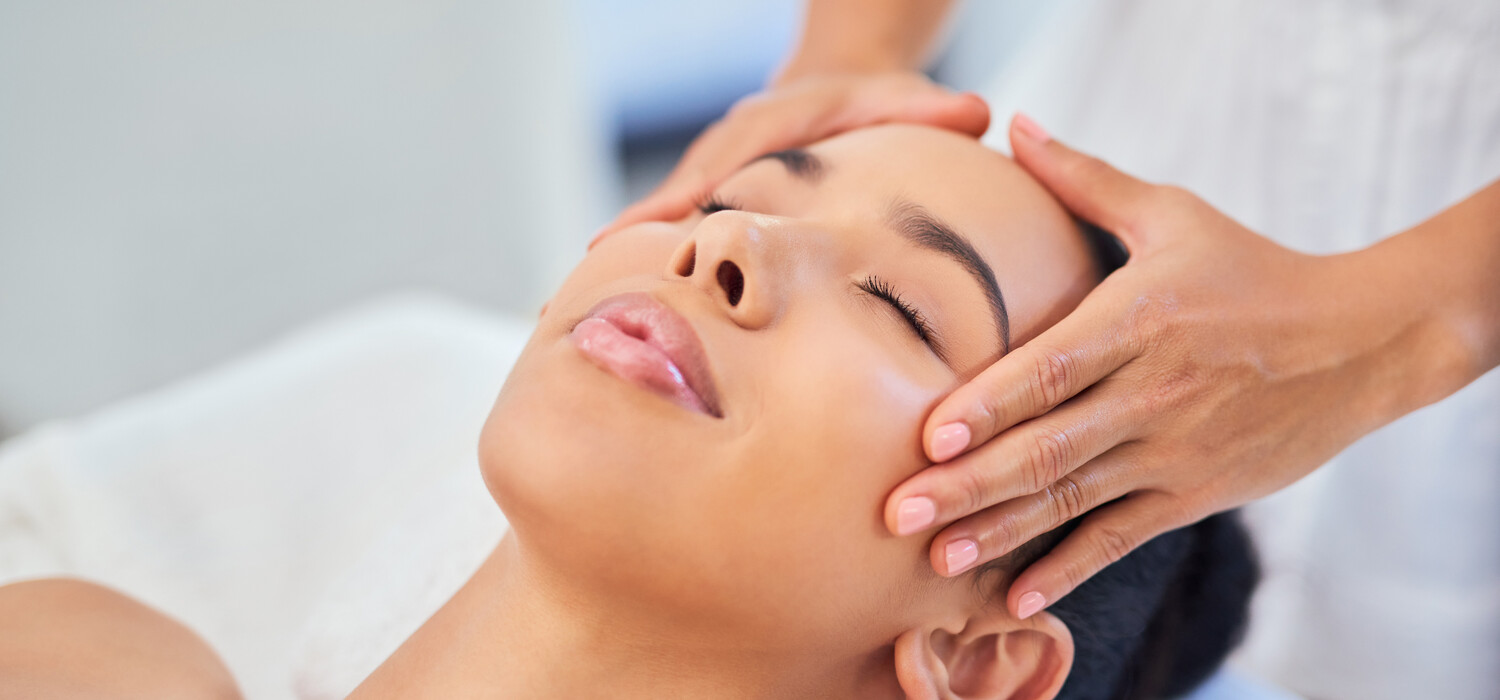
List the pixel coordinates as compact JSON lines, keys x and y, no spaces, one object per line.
{"x":643,"y":316}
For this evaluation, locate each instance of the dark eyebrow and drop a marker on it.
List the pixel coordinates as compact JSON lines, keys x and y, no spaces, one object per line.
{"x":921,"y":228}
{"x":801,"y":164}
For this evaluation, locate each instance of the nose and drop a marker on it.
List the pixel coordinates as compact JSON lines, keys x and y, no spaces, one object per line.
{"x":736,"y":258}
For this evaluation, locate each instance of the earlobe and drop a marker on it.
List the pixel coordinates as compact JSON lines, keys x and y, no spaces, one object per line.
{"x":994,"y":657}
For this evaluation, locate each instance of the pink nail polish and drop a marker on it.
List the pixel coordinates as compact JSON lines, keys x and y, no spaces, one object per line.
{"x":1030,"y":604}
{"x":1031,"y":129}
{"x":914,"y":514}
{"x":949,"y":440}
{"x":960,"y":554}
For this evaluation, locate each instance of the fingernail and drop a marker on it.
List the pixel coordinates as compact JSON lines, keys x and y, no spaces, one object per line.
{"x":1030,"y":604}
{"x":1031,"y":129}
{"x":914,"y":514}
{"x":960,"y":554}
{"x":949,"y":440}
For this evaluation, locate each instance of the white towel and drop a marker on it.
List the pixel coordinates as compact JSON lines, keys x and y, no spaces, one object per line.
{"x":232,"y":499}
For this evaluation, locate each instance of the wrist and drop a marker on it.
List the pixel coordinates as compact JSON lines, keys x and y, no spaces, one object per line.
{"x":1453,"y":257}
{"x":1430,"y":336}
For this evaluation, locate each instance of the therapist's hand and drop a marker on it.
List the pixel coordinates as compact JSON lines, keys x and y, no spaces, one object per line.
{"x":1213,"y":368}
{"x":796,"y":111}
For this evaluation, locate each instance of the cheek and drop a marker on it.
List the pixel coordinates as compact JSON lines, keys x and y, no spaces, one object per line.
{"x":840,"y":428}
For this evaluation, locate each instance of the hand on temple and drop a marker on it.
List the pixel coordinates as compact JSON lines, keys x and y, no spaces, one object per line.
{"x":1215,"y":367}
{"x":795,"y":112}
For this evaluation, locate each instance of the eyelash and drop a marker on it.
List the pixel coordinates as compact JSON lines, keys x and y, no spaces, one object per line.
{"x":712,"y":203}
{"x":876,"y":287}
{"x":872,"y":285}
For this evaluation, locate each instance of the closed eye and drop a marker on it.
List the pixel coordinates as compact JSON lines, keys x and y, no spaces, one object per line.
{"x":880,"y":289}
{"x":714,"y":203}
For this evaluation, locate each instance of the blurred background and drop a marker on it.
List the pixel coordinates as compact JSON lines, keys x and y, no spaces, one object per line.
{"x":181,"y":180}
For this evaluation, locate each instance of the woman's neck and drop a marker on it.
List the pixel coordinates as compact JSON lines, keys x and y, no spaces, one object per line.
{"x":514,"y":632}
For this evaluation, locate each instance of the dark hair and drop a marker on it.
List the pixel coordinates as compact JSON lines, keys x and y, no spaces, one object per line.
{"x":1161,"y":620}
{"x":1109,"y":252}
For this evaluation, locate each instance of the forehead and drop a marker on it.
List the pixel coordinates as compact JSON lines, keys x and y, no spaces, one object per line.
{"x":1031,"y":242}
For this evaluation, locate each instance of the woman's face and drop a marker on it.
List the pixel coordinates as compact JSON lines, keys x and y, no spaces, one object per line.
{"x":745,"y":492}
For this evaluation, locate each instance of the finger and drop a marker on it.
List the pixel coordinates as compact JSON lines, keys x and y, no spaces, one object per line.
{"x":1091,"y":188}
{"x":727,"y":145}
{"x":717,"y":152}
{"x":964,"y":112}
{"x":1023,"y":460}
{"x":1104,"y":537}
{"x":1084,"y":347}
{"x":994,"y":532}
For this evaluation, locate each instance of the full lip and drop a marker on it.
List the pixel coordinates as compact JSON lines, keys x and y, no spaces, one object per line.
{"x":651,"y":345}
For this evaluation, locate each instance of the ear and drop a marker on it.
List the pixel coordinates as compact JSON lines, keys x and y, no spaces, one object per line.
{"x":993,"y":657}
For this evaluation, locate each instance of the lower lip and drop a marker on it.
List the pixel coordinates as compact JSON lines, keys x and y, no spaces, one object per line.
{"x":635,"y":361}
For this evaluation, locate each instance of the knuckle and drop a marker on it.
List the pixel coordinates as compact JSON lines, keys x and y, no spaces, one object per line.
{"x":976,"y":490}
{"x":1154,"y":316}
{"x":1112,"y":544}
{"x":1054,"y":376}
{"x":1049,"y":457}
{"x":1086,"y":168}
{"x":1178,"y":383}
{"x":1007,"y":532}
{"x":1180,"y":512}
{"x":1176,"y":206}
{"x":1074,"y":573}
{"x":985,"y":416}
{"x":1069,"y":498}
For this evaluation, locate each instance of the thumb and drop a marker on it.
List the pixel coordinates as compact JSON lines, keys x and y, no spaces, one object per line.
{"x":964,"y":112}
{"x":1091,"y":188}
{"x":670,"y":201}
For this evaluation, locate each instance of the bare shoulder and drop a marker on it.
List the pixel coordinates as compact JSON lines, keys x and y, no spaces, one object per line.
{"x":66,"y":638}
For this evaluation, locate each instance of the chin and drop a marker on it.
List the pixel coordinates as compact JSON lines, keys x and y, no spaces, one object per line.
{"x":578,"y":460}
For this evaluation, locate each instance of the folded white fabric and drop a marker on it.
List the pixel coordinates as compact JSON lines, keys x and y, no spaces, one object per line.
{"x":231,"y":499}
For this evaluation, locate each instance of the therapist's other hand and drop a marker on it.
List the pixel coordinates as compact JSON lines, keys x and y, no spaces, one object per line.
{"x":796,"y":112}
{"x":1213,"y":368}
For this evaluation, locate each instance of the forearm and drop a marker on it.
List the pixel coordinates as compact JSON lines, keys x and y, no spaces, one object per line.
{"x":1445,"y":274}
{"x":851,"y":36}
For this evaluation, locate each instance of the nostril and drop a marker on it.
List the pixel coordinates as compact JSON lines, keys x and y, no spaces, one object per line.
{"x":688,"y":261}
{"x":732,"y":281}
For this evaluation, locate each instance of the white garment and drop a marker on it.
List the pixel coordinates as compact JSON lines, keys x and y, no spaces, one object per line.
{"x":1327,"y":125}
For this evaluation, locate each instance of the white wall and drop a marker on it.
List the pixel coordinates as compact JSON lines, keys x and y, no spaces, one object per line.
{"x":180,"y":179}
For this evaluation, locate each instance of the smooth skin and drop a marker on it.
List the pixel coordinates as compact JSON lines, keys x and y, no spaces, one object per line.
{"x":68,"y":639}
{"x":1214,"y":368}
